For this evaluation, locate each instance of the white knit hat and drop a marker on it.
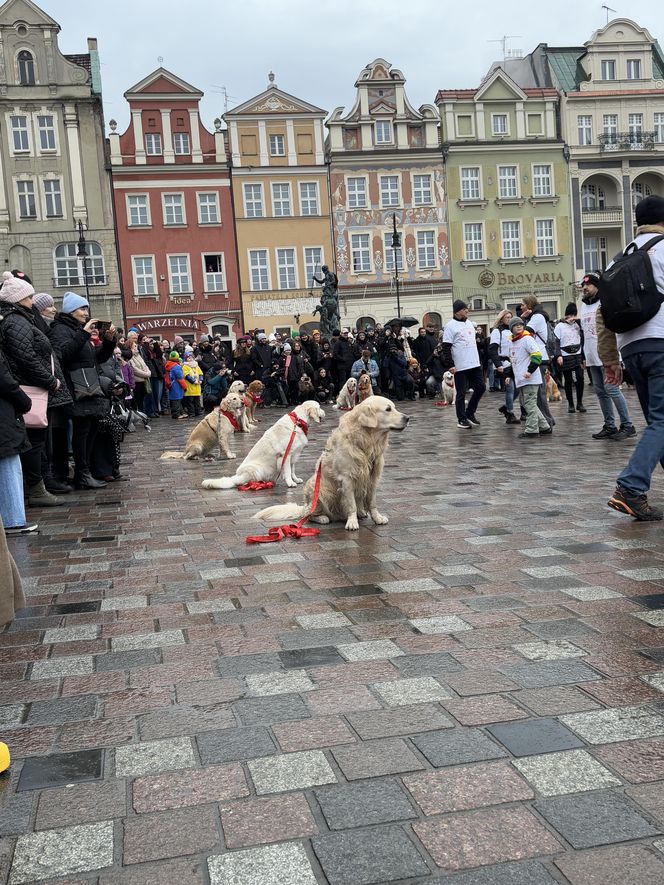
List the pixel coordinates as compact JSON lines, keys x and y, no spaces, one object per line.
{"x":14,"y":289}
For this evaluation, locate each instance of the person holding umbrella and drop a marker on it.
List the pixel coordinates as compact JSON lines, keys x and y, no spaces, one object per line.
{"x":461,"y":357}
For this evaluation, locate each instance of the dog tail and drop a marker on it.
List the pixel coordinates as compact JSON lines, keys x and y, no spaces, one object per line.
{"x":224,"y":482}
{"x":283,"y":511}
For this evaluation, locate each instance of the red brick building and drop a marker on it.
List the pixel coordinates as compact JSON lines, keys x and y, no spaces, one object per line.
{"x":174,"y":215}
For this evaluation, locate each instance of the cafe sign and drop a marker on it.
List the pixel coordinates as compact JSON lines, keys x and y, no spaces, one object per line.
{"x":168,"y":323}
{"x":527,"y":280}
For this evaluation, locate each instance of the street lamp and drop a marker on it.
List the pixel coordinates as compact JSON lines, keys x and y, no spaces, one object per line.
{"x":396,"y":245}
{"x":83,"y":253}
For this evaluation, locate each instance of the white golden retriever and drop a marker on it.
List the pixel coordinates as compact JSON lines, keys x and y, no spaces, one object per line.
{"x":351,"y":466}
{"x":264,"y":460}
{"x":347,"y":394}
{"x":216,"y":429}
{"x":449,"y":389}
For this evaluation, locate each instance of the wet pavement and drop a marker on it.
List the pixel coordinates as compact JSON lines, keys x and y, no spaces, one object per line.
{"x":472,"y":693}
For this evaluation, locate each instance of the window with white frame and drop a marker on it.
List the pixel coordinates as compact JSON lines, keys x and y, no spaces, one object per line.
{"x":499,"y":124}
{"x":635,"y":127}
{"x":53,"y":197}
{"x":72,"y":269}
{"x":584,"y":128}
{"x":610,"y":128}
{"x":277,"y":146}
{"x":511,"y":236}
{"x":633,"y":69}
{"x":181,"y":145}
{"x":508,"y":182}
{"x":389,"y":191}
{"x":144,"y":277}
{"x":544,"y":238}
{"x":138,"y":211}
{"x":542,"y":185}
{"x":308,"y":198}
{"x":473,"y":243}
{"x":356,"y":189}
{"x":470,"y":183}
{"x":360,"y":248}
{"x":27,"y":205}
{"x":253,"y":200}
{"x":178,"y":274}
{"x":213,"y":272}
{"x":46,"y":129}
{"x":313,"y":261}
{"x":26,"y":68}
{"x":281,"y":200}
{"x":173,"y":209}
{"x":208,"y":208}
{"x":593,"y":198}
{"x":595,"y":253}
{"x":388,"y":265}
{"x":383,"y":131}
{"x":259,"y":270}
{"x":426,"y":249}
{"x":20,"y":137}
{"x":608,"y":68}
{"x":659,"y":127}
{"x":153,"y":144}
{"x":422,"y":190}
{"x":286,"y":268}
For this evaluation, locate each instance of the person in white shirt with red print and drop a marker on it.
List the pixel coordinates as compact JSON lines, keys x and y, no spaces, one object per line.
{"x":460,"y":356}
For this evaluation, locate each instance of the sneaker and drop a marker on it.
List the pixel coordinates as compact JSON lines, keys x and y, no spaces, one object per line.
{"x":581,"y":408}
{"x":22,"y":529}
{"x":546,"y":432}
{"x":634,"y":505}
{"x":464,"y":424}
{"x":571,"y":410}
{"x":474,"y":421}
{"x":529,"y":436}
{"x":606,"y":433}
{"x":511,"y":418}
{"x":624,"y":432}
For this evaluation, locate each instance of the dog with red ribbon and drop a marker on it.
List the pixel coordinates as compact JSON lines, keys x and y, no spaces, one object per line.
{"x":275,"y":455}
{"x":217,"y":428}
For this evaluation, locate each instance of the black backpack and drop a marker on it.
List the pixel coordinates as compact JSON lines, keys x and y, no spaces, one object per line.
{"x":628,"y":294}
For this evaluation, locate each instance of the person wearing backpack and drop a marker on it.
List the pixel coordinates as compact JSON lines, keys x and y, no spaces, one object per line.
{"x":539,"y":325}
{"x":630,"y":326}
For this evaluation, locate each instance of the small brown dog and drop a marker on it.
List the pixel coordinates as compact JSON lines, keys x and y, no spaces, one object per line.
{"x":364,"y":388}
{"x":552,"y":392}
{"x":216,"y":428}
{"x":252,"y":398}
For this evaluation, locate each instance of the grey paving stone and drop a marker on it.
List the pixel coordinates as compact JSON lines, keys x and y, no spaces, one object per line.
{"x":620,"y":724}
{"x":376,"y":758}
{"x":525,"y":872}
{"x":600,"y":818}
{"x":643,"y":574}
{"x":359,"y":805}
{"x":458,"y":746}
{"x":70,"y":634}
{"x":549,"y":650}
{"x":404,"y":692}
{"x":546,"y":673}
{"x":266,"y":711}
{"x":133,"y":641}
{"x":11,"y":715}
{"x":278,"y":682}
{"x":240,"y":665}
{"x":575,"y":771}
{"x":559,"y":629}
{"x":234,"y":744}
{"x":66,"y":666}
{"x":154,"y":756}
{"x":62,"y":710}
{"x":291,"y":771}
{"x":309,"y":657}
{"x":449,"y":624}
{"x":400,"y":721}
{"x":414,"y":585}
{"x":382,"y":854}
{"x":54,"y":853}
{"x":322,"y":621}
{"x":531,"y":736}
{"x":589,"y":594}
{"x":312,"y":638}
{"x":126,"y":660}
{"x":427,"y":665}
{"x":15,"y":812}
{"x":39,"y":772}
{"x":378,"y":649}
{"x":118,"y":603}
{"x":284,"y":864}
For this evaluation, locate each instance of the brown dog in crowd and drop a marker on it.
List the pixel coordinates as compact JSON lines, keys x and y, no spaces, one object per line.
{"x":552,"y":391}
{"x":252,"y":398}
{"x":364,"y":388}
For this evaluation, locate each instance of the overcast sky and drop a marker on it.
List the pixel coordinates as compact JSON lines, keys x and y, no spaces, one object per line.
{"x":317,"y":49}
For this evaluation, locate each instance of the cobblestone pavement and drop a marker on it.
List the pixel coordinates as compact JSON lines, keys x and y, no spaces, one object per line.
{"x":472,"y":693}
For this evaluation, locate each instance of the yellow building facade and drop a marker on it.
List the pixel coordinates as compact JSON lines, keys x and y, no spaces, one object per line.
{"x":282,"y":207}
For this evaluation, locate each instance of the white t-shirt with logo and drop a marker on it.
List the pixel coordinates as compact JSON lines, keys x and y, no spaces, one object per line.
{"x":589,"y":326}
{"x":461,"y":335}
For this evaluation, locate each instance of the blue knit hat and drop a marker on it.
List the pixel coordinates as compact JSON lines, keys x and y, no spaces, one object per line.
{"x":72,"y":302}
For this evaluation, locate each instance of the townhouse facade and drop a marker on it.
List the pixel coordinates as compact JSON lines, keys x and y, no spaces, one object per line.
{"x":173,"y":205}
{"x":56,"y":216}
{"x":282,"y":207}
{"x":387,"y":176}
{"x":508,"y":189}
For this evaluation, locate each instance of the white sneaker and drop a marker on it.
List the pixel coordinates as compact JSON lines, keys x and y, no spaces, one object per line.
{"x":22,"y":529}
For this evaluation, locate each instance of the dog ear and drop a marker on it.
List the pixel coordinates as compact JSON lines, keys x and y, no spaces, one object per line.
{"x":367,"y":418}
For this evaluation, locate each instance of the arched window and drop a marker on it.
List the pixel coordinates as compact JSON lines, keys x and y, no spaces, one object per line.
{"x":26,"y":68}
{"x":639,"y":192}
{"x":362,"y":323}
{"x":592,"y":198}
{"x":432,"y":319}
{"x":72,"y":269}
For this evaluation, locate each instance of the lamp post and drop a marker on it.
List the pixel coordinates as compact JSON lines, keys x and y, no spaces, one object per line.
{"x":83,"y":253}
{"x":396,"y":245}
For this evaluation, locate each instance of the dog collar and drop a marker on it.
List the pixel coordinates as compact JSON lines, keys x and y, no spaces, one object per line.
{"x":299,"y":422}
{"x":231,"y":418}
{"x":255,"y":398}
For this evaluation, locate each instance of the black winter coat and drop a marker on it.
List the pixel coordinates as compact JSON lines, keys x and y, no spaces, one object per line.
{"x":27,"y":349}
{"x":13,"y":404}
{"x":345,"y":353}
{"x":75,"y":350}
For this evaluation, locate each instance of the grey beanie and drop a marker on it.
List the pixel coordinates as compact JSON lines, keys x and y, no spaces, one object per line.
{"x":516,"y":321}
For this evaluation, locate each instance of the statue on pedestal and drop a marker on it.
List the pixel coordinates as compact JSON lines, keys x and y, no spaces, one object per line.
{"x":329,"y":302}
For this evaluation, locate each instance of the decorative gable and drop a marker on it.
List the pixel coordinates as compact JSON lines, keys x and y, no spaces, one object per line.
{"x":500,"y":87}
{"x":25,"y":11}
{"x":274,"y":101}
{"x":163,"y":82}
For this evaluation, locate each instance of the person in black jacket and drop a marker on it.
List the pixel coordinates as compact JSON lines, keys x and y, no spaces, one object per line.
{"x":70,"y":336}
{"x":14,"y":403}
{"x":261,"y":356}
{"x":345,"y":354}
{"x":435,"y":371}
{"x":424,"y":345}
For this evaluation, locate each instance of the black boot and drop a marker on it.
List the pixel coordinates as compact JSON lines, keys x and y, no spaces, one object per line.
{"x":55,"y":487}
{"x":510,"y":418}
{"x":86,"y":481}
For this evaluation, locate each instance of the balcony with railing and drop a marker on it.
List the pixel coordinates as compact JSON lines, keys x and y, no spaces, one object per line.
{"x":628,"y":141}
{"x":602,"y":215}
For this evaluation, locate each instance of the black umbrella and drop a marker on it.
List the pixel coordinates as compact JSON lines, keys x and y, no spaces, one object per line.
{"x":407,"y":322}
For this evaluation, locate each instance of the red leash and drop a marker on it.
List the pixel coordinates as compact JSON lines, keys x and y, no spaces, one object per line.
{"x":259,"y":485}
{"x":294,"y":530}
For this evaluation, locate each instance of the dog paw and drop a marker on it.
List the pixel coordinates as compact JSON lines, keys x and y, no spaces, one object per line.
{"x":291,"y":484}
{"x":231,"y":456}
{"x":352,"y":525}
{"x":361,"y":514}
{"x":379,"y":519}
{"x":321,"y":520}
{"x":298,"y":480}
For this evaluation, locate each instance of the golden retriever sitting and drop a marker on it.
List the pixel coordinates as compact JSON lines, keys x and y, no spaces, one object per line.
{"x":216,"y":428}
{"x":238,"y":387}
{"x":449,"y":389}
{"x":263,"y":462}
{"x":347,"y":394}
{"x":351,"y":466}
{"x":251,"y":400}
{"x":364,"y":388}
{"x":552,"y":391}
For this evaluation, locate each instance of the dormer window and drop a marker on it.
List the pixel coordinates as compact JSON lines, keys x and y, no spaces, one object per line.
{"x":26,"y":68}
{"x":383,"y":132}
{"x":608,"y":69}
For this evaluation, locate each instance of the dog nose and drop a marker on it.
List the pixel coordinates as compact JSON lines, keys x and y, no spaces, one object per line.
{"x":407,"y":417}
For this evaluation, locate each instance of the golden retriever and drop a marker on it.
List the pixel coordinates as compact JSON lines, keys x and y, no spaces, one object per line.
{"x":364,"y":388}
{"x":251,"y":399}
{"x":263,"y":462}
{"x":552,"y":391}
{"x":215,"y":428}
{"x":347,"y":394}
{"x":449,"y":389}
{"x":351,"y":466}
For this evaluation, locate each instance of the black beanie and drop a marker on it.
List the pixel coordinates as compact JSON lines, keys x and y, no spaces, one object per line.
{"x":460,"y":305}
{"x":650,"y":211}
{"x":591,"y":278}
{"x":570,"y":310}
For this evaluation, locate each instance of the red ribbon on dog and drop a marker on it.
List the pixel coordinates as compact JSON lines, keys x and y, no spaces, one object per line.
{"x":441,"y":402}
{"x":258,"y":485}
{"x":294,"y":530}
{"x":231,"y":418}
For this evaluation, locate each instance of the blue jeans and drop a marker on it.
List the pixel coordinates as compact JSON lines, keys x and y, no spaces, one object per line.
{"x":609,"y":395}
{"x":463,"y":380}
{"x":12,"y":506}
{"x":647,"y":371}
{"x":510,"y":390}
